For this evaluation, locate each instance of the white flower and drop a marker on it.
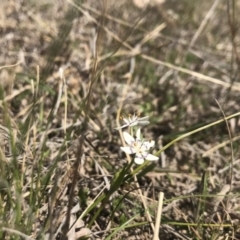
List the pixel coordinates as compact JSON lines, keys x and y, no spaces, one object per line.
{"x":133,"y":121}
{"x":138,"y":147}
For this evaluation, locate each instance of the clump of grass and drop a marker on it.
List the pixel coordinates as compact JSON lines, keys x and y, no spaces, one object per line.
{"x":64,"y":174}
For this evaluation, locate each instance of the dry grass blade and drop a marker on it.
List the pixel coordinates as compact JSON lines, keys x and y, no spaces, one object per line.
{"x":204,"y":22}
{"x":199,"y":76}
{"x":15,"y":232}
{"x":10,"y":66}
{"x":159,"y":215}
{"x":166,"y":61}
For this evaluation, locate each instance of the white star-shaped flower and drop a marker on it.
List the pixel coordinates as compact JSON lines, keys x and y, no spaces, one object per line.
{"x":134,"y":120}
{"x":138,"y":147}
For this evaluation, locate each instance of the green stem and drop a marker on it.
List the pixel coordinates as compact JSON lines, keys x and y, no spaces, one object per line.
{"x":195,"y":131}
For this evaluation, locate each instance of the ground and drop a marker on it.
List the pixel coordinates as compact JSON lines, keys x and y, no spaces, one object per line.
{"x":69,"y":71}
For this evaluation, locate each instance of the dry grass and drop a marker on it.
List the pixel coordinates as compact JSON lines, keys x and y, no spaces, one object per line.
{"x":69,"y":69}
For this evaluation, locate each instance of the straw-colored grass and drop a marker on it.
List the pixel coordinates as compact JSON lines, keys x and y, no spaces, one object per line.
{"x":69,"y":70}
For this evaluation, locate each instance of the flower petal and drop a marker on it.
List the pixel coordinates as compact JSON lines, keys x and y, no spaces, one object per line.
{"x":123,"y":126}
{"x":142,"y":147}
{"x":143,"y":118}
{"x":126,"y":121}
{"x":134,"y":118}
{"x":149,"y":144}
{"x":128,"y":150}
{"x":139,"y":159}
{"x":151,"y":157}
{"x":138,"y":134}
{"x":128,"y":138}
{"x":133,"y":123}
{"x":142,"y":123}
